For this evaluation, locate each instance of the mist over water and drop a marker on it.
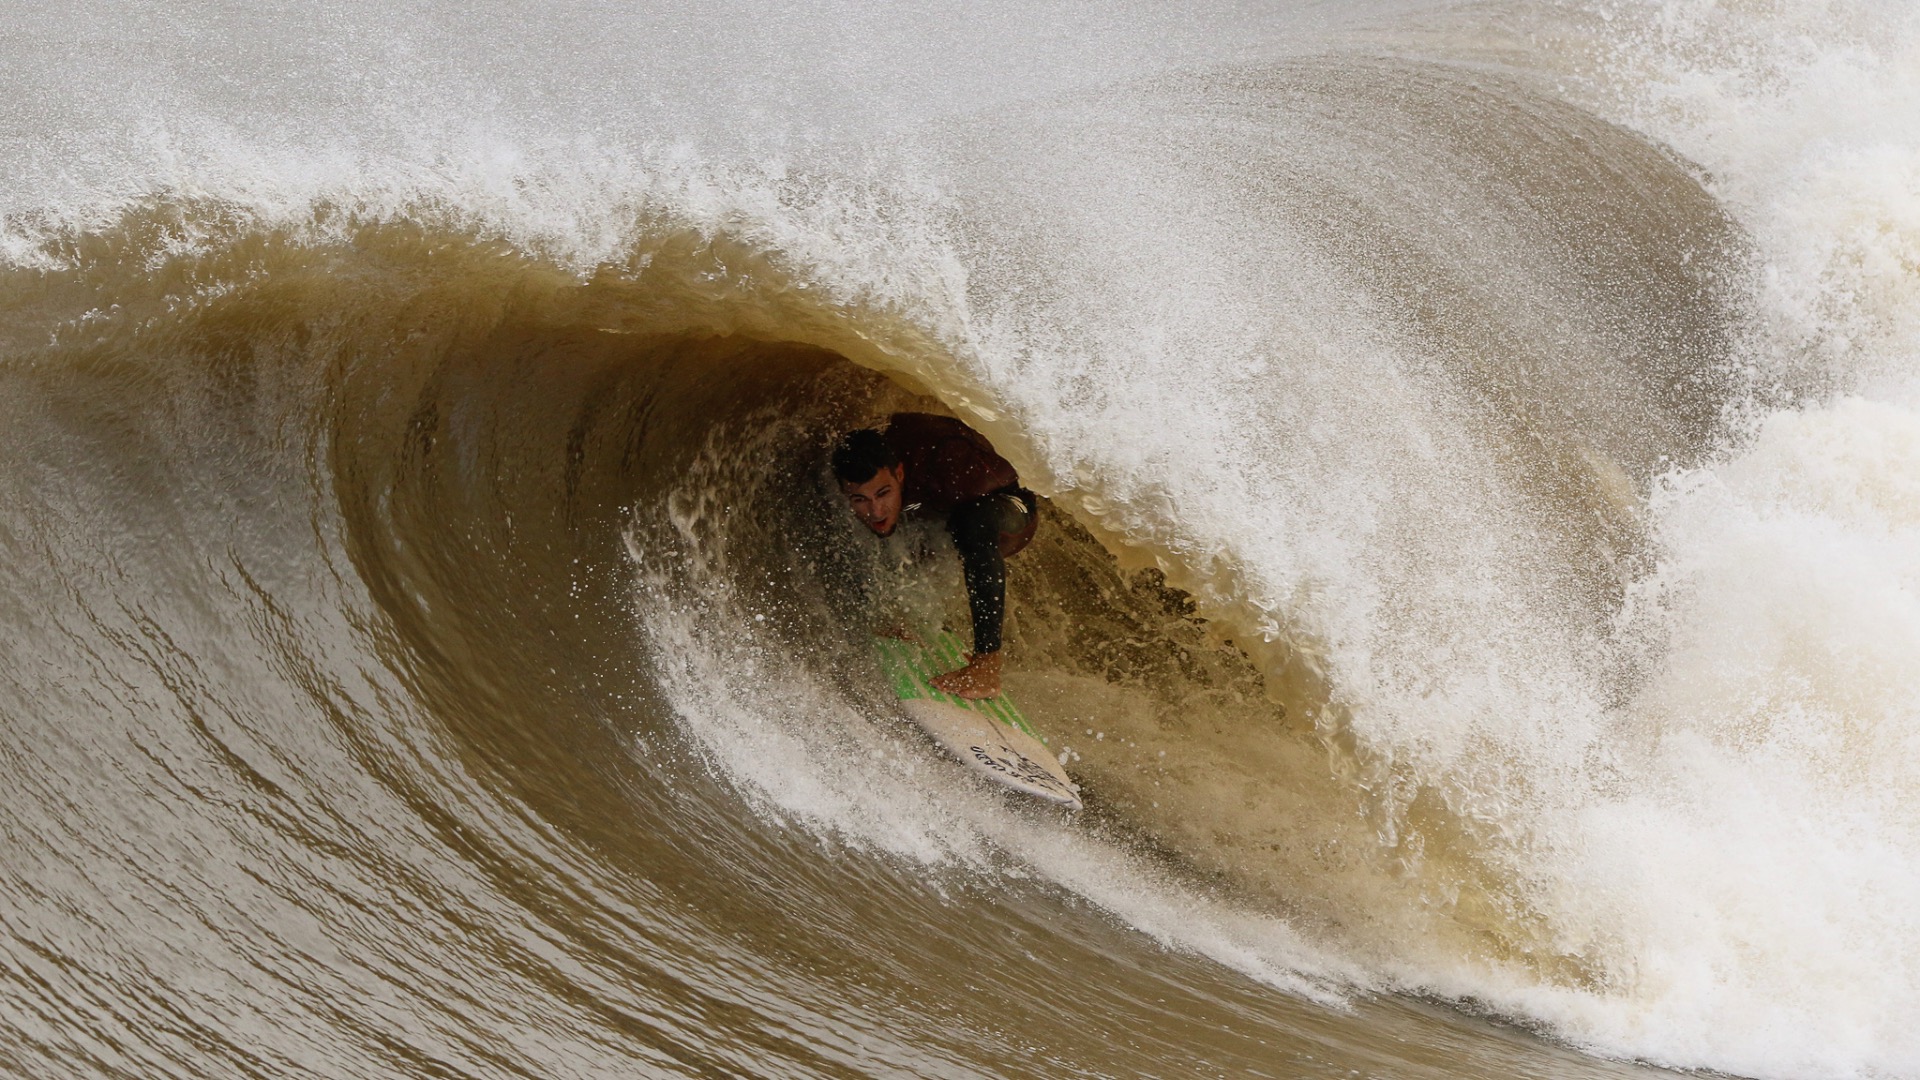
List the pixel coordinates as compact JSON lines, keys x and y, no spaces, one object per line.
{"x":1476,"y":588}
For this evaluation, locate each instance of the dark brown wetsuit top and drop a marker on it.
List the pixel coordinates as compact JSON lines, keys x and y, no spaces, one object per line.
{"x":953,"y":474}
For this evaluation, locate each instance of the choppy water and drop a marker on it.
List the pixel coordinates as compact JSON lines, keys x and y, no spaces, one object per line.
{"x":1477,"y":589}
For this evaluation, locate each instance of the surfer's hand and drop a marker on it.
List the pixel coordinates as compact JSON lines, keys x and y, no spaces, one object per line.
{"x":900,"y":632}
{"x":979,"y":679}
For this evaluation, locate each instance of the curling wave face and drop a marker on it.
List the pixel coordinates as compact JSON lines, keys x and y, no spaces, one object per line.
{"x":429,"y":648}
{"x":385,"y":765}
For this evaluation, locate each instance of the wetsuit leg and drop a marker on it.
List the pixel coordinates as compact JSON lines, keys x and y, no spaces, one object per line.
{"x":976,"y":527}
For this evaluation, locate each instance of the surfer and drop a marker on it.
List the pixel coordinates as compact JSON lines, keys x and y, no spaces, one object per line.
{"x":937,"y":468}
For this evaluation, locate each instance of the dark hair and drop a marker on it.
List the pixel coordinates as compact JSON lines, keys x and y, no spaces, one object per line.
{"x":861,"y":454}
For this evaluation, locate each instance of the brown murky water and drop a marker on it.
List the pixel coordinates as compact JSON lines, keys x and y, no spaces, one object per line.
{"x":428,"y":652}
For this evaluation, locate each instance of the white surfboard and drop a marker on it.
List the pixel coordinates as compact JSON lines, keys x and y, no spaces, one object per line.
{"x":988,"y":736}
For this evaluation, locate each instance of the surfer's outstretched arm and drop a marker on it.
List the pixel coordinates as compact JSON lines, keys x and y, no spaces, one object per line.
{"x":977,"y":527}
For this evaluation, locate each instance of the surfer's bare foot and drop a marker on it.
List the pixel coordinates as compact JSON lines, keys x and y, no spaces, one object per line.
{"x":979,"y":679}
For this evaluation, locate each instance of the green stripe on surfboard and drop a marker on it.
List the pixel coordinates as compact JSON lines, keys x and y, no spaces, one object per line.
{"x":911,"y":667}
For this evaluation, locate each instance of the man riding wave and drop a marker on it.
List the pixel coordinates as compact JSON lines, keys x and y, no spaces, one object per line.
{"x":937,"y":468}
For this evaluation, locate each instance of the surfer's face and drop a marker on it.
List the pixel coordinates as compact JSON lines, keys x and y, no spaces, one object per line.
{"x":877,"y":502}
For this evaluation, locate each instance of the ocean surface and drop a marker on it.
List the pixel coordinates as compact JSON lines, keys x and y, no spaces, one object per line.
{"x":1478,"y":589}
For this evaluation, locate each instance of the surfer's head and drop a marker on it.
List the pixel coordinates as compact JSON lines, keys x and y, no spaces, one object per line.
{"x":870,"y":476}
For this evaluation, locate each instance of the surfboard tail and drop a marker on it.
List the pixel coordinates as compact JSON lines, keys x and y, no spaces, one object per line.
{"x":911,"y":668}
{"x":988,"y":736}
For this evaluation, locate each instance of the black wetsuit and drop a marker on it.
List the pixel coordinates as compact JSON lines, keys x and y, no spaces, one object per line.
{"x":952,"y":472}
